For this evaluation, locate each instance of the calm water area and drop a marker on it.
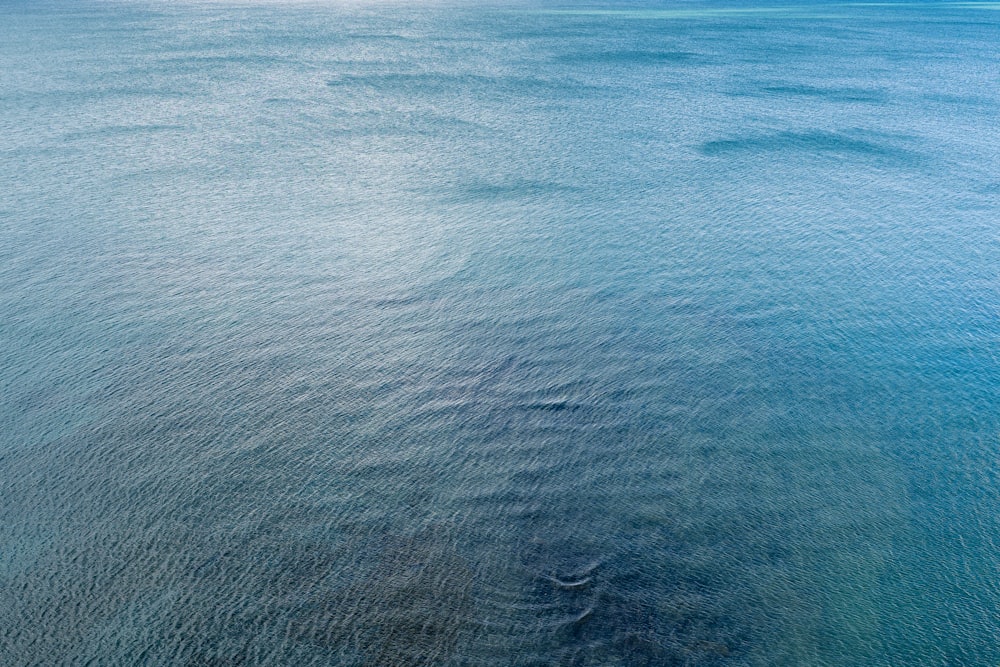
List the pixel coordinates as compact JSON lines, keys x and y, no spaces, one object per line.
{"x":386,"y":335}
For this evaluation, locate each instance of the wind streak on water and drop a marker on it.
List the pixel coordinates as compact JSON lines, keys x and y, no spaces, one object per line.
{"x":360,"y":335}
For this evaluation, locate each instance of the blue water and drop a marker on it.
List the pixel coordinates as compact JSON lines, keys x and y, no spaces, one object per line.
{"x":598,"y":334}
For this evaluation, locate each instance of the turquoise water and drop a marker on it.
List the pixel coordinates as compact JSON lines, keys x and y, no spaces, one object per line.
{"x":373,"y":334}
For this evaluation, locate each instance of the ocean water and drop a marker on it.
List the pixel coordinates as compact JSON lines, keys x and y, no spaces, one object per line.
{"x":517,"y":335}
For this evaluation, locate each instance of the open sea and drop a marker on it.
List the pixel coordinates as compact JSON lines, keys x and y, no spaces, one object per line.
{"x":395,"y":335}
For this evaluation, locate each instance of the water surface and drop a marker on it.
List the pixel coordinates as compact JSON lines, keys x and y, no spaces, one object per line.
{"x":368,"y":334}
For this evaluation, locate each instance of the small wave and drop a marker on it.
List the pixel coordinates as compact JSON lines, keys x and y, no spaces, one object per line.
{"x":554,"y":406}
{"x":826,"y":93}
{"x":511,"y":189}
{"x":812,"y":141}
{"x":632,"y":57}
{"x":568,"y":585}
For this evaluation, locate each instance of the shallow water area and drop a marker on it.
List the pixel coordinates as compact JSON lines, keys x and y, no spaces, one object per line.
{"x":528,"y":334}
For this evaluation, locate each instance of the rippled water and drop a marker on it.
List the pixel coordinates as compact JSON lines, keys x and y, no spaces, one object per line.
{"x":384,"y":335}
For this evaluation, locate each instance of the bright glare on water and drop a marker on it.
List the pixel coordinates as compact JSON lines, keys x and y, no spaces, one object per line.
{"x":371,"y":334}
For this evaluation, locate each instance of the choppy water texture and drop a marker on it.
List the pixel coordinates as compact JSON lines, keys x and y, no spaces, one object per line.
{"x":529,"y":335}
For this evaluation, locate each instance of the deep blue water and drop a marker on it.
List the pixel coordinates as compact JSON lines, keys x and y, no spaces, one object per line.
{"x":605,"y":334}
